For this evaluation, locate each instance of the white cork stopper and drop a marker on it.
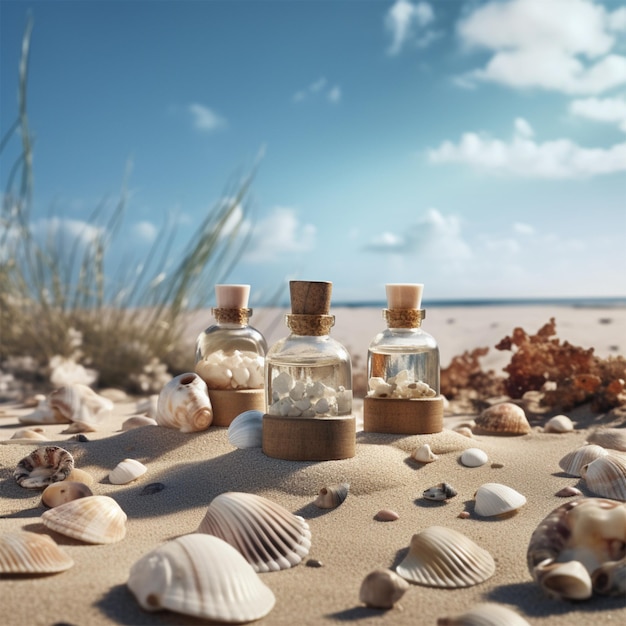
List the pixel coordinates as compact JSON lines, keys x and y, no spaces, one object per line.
{"x":404,"y":295}
{"x":232,"y":296}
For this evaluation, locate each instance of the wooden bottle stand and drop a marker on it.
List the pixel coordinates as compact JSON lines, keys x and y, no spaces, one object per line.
{"x":228,"y":404}
{"x":419,"y":416}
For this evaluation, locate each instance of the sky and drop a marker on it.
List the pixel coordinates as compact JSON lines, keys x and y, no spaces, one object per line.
{"x":475,"y":146}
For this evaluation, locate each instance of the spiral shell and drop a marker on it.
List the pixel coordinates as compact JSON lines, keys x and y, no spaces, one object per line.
{"x":485,"y":614}
{"x":184,"y":404}
{"x":24,"y":552}
{"x":494,"y":499}
{"x":382,"y":588}
{"x":505,"y":418}
{"x":573,"y":462}
{"x":606,"y":476}
{"x":44,"y":466}
{"x":610,"y":578}
{"x":332,"y":496}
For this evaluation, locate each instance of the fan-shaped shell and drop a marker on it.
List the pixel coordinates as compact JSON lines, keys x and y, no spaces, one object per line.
{"x":473,"y":457}
{"x":573,"y":462}
{"x":505,"y":418}
{"x":269,"y":536}
{"x":493,"y":499}
{"x":606,"y":476}
{"x":94,"y":519}
{"x":443,"y":557}
{"x":612,"y":438}
{"x":246,"y":430}
{"x":332,"y":496}
{"x":382,"y":588}
{"x":126,"y":471}
{"x":64,"y":491}
{"x":23,"y":552}
{"x":184,"y":404}
{"x":202,"y":576}
{"x":559,"y":424}
{"x":485,"y":614}
{"x":44,"y":466}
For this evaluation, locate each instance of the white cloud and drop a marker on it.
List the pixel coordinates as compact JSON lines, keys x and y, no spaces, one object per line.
{"x":523,"y":229}
{"x":523,"y":128}
{"x":558,"y":45}
{"x":612,"y":110}
{"x":63,"y":230}
{"x":205,"y":119}
{"x":407,"y":22}
{"x":334,"y":95}
{"x":318,"y":88}
{"x":146,"y":231}
{"x":521,"y":156}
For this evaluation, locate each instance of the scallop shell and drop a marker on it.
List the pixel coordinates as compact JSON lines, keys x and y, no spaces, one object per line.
{"x":573,"y":462}
{"x":64,"y":491}
{"x":610,"y":578}
{"x":44,"y":466}
{"x":424,"y":454}
{"x":443,"y":557}
{"x":136,"y":421}
{"x":505,"y":418}
{"x":606,"y":476}
{"x":23,"y":552}
{"x":332,"y":496}
{"x":473,"y":457}
{"x":382,"y":588}
{"x":612,"y":438}
{"x":184,"y":404}
{"x":493,"y":499}
{"x":559,"y":424}
{"x":202,"y":576}
{"x":246,"y":430}
{"x":269,"y":536}
{"x":126,"y":471}
{"x":94,"y":519}
{"x":485,"y":614}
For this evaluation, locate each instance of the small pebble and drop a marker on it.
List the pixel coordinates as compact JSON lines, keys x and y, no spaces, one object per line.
{"x":497,"y":465}
{"x":152,"y":488}
{"x":314,"y":563}
{"x":568,"y":492}
{"x":80,"y":438}
{"x":464,"y":515}
{"x":386,"y":515}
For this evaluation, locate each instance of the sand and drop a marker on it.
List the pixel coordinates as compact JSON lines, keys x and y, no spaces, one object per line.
{"x":348,"y":541}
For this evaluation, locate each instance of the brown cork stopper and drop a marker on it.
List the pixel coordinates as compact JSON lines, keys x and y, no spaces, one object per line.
{"x":232,"y":296}
{"x":310,"y":297}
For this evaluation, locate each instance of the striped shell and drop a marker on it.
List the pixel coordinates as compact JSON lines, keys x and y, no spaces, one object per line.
{"x":485,"y":614}
{"x":270,"y":537}
{"x":184,"y":404}
{"x":246,"y":430}
{"x":443,"y":557}
{"x":612,"y":438}
{"x":606,"y":476}
{"x":493,"y":499}
{"x":24,"y":552}
{"x":201,"y":576}
{"x":573,"y":462}
{"x":126,"y":471}
{"x":332,"y":496}
{"x":44,"y":466}
{"x":505,"y":418}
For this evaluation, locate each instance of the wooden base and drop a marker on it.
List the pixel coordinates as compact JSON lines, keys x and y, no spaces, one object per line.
{"x":420,"y":416}
{"x":309,"y":438}
{"x":227,"y":404}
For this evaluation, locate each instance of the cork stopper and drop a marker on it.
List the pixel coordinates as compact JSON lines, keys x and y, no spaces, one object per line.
{"x":404,"y":295}
{"x":310,"y":297}
{"x":232,"y":296}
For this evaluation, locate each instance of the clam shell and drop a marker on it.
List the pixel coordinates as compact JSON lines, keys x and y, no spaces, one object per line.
{"x":505,"y":418}
{"x":184,"y":404}
{"x":573,"y":462}
{"x":559,"y":424}
{"x":136,"y":421}
{"x":64,"y":491}
{"x":269,"y":536}
{"x":443,"y":557}
{"x":606,"y":476}
{"x":386,"y":515}
{"x":23,"y":552}
{"x":493,"y":499}
{"x":610,"y":578}
{"x":382,"y":588}
{"x":424,"y":454}
{"x":44,"y":466}
{"x":126,"y":471}
{"x":202,"y":576}
{"x":485,"y":614}
{"x":246,"y":430}
{"x":473,"y":457}
{"x":94,"y":519}
{"x":612,"y":438}
{"x":80,"y":405}
{"x":332,"y":496}
{"x":569,"y":580}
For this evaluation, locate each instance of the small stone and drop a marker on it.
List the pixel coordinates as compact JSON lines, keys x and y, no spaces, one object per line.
{"x":386,"y":515}
{"x":497,"y":465}
{"x":464,"y":515}
{"x":314,"y":563}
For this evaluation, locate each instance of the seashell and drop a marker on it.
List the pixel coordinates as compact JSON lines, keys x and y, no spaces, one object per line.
{"x":505,"y":418}
{"x":30,"y":433}
{"x":386,"y":515}
{"x":332,"y":496}
{"x":126,"y":471}
{"x":443,"y":557}
{"x":573,"y":462}
{"x":184,"y":404}
{"x":24,"y":552}
{"x":569,"y":580}
{"x":94,"y":519}
{"x":610,"y":578}
{"x":80,"y":405}
{"x":559,"y":424}
{"x":382,"y":588}
{"x":137,"y":421}
{"x":466,"y":431}
{"x":424,"y":454}
{"x":473,"y":457}
{"x":485,"y":614}
{"x":81,"y":476}
{"x":269,"y":536}
{"x":44,"y":466}
{"x":246,"y":430}
{"x":148,"y":406}
{"x":443,"y":491}
{"x":493,"y":499}
{"x":612,"y":438}
{"x":606,"y":476}
{"x":568,"y":492}
{"x":64,"y":491}
{"x":201,"y":576}
{"x":43,"y":414}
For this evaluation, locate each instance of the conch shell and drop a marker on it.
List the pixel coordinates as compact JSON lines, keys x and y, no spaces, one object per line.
{"x":184,"y":404}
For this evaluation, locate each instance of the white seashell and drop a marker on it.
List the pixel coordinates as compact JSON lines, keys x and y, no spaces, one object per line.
{"x":95,"y":519}
{"x":126,"y":471}
{"x":559,"y":424}
{"x":493,"y":499}
{"x":505,"y":418}
{"x":424,"y":454}
{"x":202,"y":576}
{"x":382,"y":588}
{"x":64,"y":491}
{"x":246,"y":430}
{"x":443,"y":557}
{"x":81,"y":406}
{"x":184,"y":404}
{"x":43,"y":414}
{"x":137,"y":421}
{"x":569,"y":580}
{"x":44,"y":466}
{"x":485,"y":614}
{"x":24,"y":552}
{"x":573,"y":462}
{"x":269,"y":536}
{"x":474,"y":457}
{"x":332,"y":496}
{"x":606,"y":476}
{"x":612,"y":438}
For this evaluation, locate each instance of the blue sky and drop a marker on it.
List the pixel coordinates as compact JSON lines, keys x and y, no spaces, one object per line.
{"x":478,"y":147}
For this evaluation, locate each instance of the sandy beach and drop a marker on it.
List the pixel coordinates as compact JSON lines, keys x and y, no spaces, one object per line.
{"x":348,"y":541}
